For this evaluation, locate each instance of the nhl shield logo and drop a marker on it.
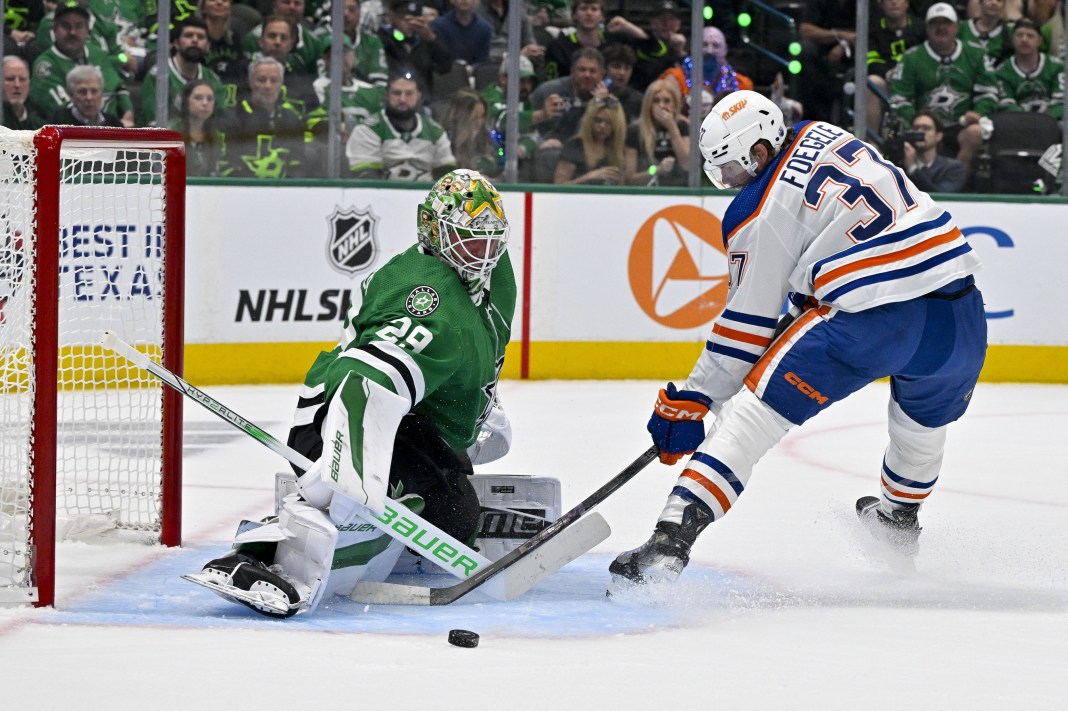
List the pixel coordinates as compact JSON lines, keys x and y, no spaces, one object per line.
{"x":351,"y":247}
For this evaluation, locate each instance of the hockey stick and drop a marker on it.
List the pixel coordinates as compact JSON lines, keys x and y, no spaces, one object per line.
{"x":397,"y":521}
{"x":523,"y":574}
{"x":415,"y":595}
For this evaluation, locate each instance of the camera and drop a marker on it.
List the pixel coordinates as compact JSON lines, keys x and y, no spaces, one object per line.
{"x":914,"y":137}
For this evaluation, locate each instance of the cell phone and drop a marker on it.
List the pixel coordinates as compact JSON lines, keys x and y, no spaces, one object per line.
{"x":914,"y":136}
{"x":412,"y":8}
{"x":608,"y":82}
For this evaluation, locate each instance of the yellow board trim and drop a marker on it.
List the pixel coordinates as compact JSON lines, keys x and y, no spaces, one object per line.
{"x":255,"y":363}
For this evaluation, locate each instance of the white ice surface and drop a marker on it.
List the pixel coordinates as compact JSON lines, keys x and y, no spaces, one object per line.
{"x":780,"y":608}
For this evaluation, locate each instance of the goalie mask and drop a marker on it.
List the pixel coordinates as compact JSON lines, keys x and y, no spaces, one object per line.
{"x":731,"y":129}
{"x":462,"y":223}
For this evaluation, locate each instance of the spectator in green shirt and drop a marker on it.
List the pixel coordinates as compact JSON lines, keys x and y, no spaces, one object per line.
{"x":48,"y":91}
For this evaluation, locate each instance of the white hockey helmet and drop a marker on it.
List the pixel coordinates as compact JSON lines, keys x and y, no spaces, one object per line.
{"x":462,"y":223}
{"x":730,"y":131}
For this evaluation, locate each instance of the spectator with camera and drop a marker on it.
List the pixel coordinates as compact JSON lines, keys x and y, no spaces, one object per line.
{"x":412,"y":46}
{"x":931,"y":172}
{"x":951,"y":78}
{"x":559,"y":104}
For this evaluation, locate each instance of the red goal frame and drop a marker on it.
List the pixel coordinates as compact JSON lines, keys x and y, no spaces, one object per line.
{"x":49,"y":142}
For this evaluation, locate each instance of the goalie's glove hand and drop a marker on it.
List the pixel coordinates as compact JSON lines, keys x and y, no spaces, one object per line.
{"x":676,"y":424}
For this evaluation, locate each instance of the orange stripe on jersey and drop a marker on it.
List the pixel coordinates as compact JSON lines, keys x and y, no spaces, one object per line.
{"x":709,"y":486}
{"x":926,"y":245}
{"x":735,"y":335}
{"x":757,"y":371}
{"x":902,"y":494}
{"x":767,"y":191}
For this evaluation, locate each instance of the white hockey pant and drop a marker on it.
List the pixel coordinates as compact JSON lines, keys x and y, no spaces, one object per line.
{"x":718,"y":471}
{"x":912,"y":460}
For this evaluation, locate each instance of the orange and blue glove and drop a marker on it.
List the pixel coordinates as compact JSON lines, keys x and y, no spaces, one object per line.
{"x":676,"y":424}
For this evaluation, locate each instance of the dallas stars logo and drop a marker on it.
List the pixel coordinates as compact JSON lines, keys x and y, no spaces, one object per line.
{"x":484,"y":198}
{"x":422,"y":301}
{"x":944,"y":100}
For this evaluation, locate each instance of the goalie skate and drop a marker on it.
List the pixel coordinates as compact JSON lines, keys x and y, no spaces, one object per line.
{"x":245,"y":580}
{"x":897,"y":533}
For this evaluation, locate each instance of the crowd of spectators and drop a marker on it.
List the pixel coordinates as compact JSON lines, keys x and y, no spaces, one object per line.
{"x":604,"y":84}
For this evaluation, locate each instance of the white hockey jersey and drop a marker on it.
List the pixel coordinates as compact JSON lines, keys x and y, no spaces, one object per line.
{"x":828,"y":218}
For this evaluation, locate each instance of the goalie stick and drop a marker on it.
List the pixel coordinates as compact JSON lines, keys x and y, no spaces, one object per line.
{"x":398,"y":521}
{"x":387,"y":593}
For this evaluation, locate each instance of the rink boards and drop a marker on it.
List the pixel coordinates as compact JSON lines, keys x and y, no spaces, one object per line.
{"x":621,"y":284}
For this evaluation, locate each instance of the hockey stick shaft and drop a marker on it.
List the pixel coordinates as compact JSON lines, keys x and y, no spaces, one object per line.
{"x":446,"y":595}
{"x":448,"y":553}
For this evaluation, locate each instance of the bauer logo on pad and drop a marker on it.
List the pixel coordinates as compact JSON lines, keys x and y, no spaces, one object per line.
{"x":352,"y":246}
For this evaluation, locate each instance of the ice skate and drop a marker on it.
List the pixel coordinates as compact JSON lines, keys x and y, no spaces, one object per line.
{"x":243,"y":579}
{"x":898,"y":531}
{"x":664,"y":556}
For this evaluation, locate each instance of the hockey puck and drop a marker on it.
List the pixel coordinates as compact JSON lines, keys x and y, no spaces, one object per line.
{"x":463,"y":638}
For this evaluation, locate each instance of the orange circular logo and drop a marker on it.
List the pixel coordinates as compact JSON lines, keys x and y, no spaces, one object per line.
{"x":678,"y":268}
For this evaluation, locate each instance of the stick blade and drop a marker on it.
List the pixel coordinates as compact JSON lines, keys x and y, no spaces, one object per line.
{"x":540,"y":563}
{"x":572,"y":542}
{"x":390,"y":594}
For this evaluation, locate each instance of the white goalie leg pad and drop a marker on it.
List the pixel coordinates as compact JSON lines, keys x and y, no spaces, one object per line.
{"x":499,"y":532}
{"x":307,"y":553}
{"x":368,"y":413}
{"x":718,"y":471}
{"x":912,"y":459}
{"x":363,"y":554}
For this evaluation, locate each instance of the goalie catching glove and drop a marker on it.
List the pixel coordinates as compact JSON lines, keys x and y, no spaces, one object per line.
{"x":676,"y":424}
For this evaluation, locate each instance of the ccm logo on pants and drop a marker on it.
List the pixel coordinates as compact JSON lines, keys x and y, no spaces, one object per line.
{"x":805,"y":388}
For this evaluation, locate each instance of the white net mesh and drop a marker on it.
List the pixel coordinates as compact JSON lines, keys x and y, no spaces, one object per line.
{"x":108,"y":416}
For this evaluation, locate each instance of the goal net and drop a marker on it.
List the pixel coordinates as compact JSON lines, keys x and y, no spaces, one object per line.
{"x":91,"y":239}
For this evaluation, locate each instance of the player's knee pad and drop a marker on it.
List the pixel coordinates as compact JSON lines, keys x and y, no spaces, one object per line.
{"x":744,"y":431}
{"x":307,"y":551}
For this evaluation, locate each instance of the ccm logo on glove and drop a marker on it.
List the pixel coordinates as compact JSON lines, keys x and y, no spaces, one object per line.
{"x":676,"y":410}
{"x":676,"y":422}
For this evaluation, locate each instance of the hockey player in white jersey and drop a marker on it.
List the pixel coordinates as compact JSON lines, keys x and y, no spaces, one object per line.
{"x":880,"y":282}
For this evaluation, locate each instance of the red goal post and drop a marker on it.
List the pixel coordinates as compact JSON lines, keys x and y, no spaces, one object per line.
{"x":91,"y":239}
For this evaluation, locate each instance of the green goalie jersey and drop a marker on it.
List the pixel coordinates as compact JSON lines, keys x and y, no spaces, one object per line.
{"x":421,"y":335}
{"x":1040,"y":91}
{"x":950,"y":86}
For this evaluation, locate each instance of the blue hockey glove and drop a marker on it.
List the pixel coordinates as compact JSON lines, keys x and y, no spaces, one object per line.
{"x":676,"y":424}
